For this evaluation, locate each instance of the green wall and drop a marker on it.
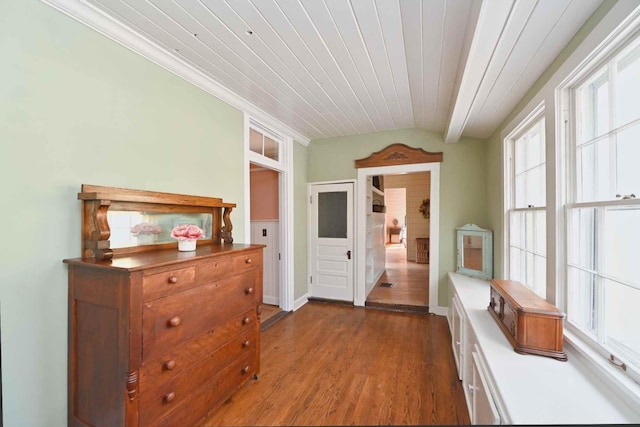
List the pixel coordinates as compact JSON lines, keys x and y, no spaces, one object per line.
{"x":76,"y":108}
{"x":463,"y":180}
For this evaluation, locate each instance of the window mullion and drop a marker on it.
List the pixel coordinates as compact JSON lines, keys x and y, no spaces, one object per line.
{"x":612,"y":134}
{"x":599,"y":268}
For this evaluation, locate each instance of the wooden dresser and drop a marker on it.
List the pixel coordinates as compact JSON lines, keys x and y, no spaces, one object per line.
{"x":159,"y":337}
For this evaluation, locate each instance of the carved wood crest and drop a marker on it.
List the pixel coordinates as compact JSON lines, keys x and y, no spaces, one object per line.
{"x":398,"y":154}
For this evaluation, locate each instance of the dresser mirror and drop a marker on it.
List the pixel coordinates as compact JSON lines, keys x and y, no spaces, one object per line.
{"x":121,"y":220}
{"x":474,"y":249}
{"x":138,"y":228}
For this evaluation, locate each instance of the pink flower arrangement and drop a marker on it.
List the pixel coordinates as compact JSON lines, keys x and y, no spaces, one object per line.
{"x":187,"y":232}
{"x":145,"y":228}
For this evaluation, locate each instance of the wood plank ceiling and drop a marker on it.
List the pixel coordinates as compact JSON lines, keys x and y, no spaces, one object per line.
{"x":328,"y":68}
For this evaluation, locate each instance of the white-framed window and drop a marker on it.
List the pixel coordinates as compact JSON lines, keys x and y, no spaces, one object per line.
{"x":265,"y":145}
{"x":602,"y":212}
{"x":526,"y":202}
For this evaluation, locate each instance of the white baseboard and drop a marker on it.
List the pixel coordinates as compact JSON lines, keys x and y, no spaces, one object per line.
{"x":270,"y":300}
{"x":440,"y":311}
{"x":300,"y":302}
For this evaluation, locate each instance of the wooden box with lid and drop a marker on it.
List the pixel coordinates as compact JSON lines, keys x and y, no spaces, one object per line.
{"x":159,"y":337}
{"x":531,"y":324}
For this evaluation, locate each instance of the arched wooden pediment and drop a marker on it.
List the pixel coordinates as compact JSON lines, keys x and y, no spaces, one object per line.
{"x":398,"y":154}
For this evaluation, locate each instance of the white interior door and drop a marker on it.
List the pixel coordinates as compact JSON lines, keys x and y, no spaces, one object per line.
{"x":331,"y":241}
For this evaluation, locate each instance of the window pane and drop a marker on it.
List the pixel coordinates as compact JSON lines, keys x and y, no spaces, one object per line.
{"x":627,"y":107}
{"x":270,"y":148}
{"x":535,"y":194}
{"x":521,"y":191}
{"x":529,"y":275}
{"x":582,"y":242}
{"x":621,"y":241}
{"x":530,"y":188}
{"x":514,"y":265}
{"x":594,"y":107}
{"x":519,"y":154}
{"x":622,"y":320}
{"x":534,"y":147}
{"x":332,"y":214}
{"x":540,"y":219}
{"x":593,"y":173}
{"x":528,"y":232}
{"x":516,"y":226}
{"x":540,"y":274}
{"x":581,"y":303}
{"x":255,"y":141}
{"x":627,"y":161}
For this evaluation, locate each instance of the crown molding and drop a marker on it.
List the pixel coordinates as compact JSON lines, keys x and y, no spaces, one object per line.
{"x":97,"y":20}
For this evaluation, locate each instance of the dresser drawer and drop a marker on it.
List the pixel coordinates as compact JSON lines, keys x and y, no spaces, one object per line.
{"x":167,"y":282}
{"x":211,"y":395}
{"x":172,"y":320}
{"x":214,"y":269}
{"x":246,"y":261}
{"x":174,"y":362}
{"x":169,"y":395}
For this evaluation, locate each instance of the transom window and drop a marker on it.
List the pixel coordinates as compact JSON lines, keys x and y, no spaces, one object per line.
{"x":526,"y":200}
{"x":603,"y":214}
{"x":264,"y":144}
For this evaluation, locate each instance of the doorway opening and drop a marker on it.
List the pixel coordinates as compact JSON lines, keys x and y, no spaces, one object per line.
{"x":268,"y":214}
{"x":404,"y":285}
{"x":432,"y":238}
{"x":265,"y":226}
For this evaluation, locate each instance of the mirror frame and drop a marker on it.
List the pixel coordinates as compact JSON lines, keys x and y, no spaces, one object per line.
{"x":96,"y":201}
{"x":487,"y":251}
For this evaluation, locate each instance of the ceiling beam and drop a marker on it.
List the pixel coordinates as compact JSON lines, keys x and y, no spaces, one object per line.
{"x":492,"y":20}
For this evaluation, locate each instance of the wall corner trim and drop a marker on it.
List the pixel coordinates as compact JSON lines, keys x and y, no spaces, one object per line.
{"x":300,"y":302}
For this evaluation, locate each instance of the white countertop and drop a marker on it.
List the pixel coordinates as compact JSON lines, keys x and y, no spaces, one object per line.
{"x":535,"y":389}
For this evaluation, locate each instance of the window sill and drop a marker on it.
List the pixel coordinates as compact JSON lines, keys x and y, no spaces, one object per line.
{"x":625,"y":388}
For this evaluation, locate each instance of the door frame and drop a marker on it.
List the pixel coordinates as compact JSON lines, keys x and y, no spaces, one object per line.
{"x":434,"y":228}
{"x":310,"y":185}
{"x":284,"y":168}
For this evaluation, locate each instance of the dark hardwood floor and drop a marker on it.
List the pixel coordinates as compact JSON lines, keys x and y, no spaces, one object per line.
{"x":335,"y":365}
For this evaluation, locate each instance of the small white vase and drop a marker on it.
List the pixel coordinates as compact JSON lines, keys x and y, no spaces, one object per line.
{"x":186,"y":245}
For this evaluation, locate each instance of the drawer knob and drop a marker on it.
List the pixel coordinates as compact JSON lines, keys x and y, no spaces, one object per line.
{"x":173,"y":279}
{"x":248,"y":291}
{"x":245,"y":321}
{"x":245,"y":369}
{"x":174,"y":321}
{"x":169,"y":365}
{"x":246,"y":343}
{"x":247,"y":260}
{"x":168,"y":398}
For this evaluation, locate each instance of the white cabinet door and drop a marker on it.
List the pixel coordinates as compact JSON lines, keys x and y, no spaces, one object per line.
{"x":457,"y":335}
{"x":484,"y":410}
{"x":450,"y":308}
{"x":468,"y":344}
